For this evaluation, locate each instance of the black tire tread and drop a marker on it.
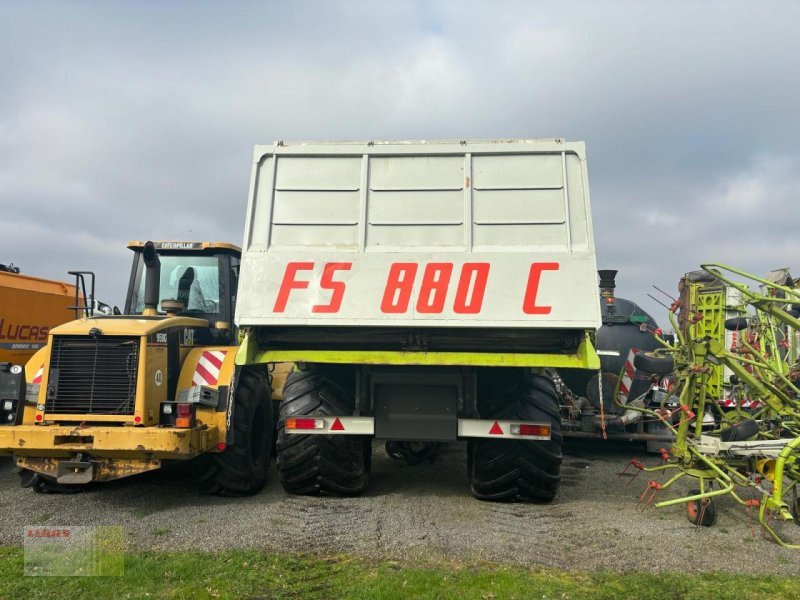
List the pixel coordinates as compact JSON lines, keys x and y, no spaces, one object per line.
{"x":234,"y":472}
{"x":516,"y":470}
{"x":320,"y":464}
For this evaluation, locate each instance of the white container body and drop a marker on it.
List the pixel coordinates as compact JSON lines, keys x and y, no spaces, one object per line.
{"x":422,"y":234}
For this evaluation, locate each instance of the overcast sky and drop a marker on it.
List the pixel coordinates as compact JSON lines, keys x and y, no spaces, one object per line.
{"x":136,"y":120}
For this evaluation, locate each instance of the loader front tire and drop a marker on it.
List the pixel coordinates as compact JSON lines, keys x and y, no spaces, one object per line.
{"x":516,"y":470}
{"x":336,"y":465}
{"x":241,"y":469}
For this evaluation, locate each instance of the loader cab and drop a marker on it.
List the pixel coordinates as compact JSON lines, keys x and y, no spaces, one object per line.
{"x":202,"y":275}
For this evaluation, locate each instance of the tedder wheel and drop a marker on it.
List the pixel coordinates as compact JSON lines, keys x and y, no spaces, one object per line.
{"x":701,"y":512}
{"x":321,"y":464}
{"x":241,"y":469}
{"x":654,"y":363}
{"x":796,"y":510}
{"x":516,"y":470}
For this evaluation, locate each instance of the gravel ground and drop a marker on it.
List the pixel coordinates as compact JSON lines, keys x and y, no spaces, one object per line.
{"x":420,"y":512}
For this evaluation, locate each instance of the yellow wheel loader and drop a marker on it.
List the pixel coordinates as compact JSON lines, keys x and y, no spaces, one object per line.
{"x":116,"y":395}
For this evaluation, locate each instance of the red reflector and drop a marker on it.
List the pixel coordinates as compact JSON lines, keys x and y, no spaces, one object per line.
{"x":38,"y":417}
{"x":496,"y":429}
{"x":542,"y":430}
{"x":184,"y":410}
{"x":137,"y":419}
{"x":221,"y":446}
{"x":304,"y":424}
{"x":337,"y":425}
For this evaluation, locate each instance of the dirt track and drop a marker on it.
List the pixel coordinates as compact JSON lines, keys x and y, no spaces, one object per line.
{"x":420,"y":512}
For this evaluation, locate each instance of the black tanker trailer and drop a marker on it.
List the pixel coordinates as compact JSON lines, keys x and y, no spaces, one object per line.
{"x":599,"y":403}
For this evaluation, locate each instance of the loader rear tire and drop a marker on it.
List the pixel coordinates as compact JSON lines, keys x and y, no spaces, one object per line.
{"x":336,"y":465}
{"x":241,"y":469}
{"x":516,"y":470}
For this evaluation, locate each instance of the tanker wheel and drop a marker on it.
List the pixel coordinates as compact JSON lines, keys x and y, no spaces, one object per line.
{"x":241,"y":469}
{"x":321,"y":464}
{"x":516,"y":470}
{"x":41,"y":484}
{"x":654,"y":363}
{"x":701,"y":512}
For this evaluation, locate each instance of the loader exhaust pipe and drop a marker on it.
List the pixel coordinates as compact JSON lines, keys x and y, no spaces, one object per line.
{"x":152,"y":279}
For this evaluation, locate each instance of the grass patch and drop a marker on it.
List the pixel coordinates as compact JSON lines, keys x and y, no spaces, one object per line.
{"x":159,"y":531}
{"x":42,"y":519}
{"x":255,"y":574}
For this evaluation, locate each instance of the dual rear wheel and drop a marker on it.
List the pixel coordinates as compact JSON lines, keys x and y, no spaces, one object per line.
{"x":503,"y":469}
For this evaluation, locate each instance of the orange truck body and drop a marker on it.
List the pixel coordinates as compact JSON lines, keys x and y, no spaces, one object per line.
{"x":29,"y":307}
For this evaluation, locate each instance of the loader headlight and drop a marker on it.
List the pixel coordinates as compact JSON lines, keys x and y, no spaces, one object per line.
{"x":12,"y":393}
{"x":8,"y":412}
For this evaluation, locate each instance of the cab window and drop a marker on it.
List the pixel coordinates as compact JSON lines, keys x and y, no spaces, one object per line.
{"x":192,"y":279}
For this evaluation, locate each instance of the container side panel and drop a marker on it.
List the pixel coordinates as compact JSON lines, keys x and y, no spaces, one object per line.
{"x":580,"y":217}
{"x":259,"y":208}
{"x":316,"y":202}
{"x":518,"y":201}
{"x":415,"y":201}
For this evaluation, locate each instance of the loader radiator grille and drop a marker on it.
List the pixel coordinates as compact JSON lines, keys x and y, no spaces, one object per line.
{"x":93,"y":375}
